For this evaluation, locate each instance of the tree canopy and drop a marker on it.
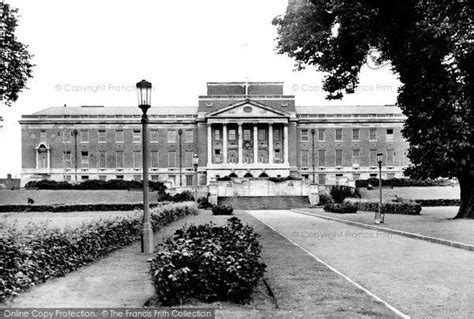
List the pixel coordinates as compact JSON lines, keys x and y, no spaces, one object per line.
{"x":15,"y":61}
{"x":430,"y":45}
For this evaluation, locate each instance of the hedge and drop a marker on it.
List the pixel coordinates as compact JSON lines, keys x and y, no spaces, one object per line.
{"x":95,"y":184}
{"x":438,"y":202}
{"x":37,"y":253}
{"x":73,"y":208}
{"x":403,"y":182}
{"x":222,"y":210}
{"x":209,"y":263}
{"x":344,"y":208}
{"x":403,"y":208}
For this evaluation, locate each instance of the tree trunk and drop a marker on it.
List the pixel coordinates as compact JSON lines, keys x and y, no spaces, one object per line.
{"x":466,"y":209}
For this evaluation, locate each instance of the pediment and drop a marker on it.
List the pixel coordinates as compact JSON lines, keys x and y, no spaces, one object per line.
{"x":248,"y":109}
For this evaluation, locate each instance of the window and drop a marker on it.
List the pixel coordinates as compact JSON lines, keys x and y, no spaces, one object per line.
{"x":355,"y":157}
{"x":189,"y":180}
{"x":67,"y":159}
{"x":339,"y":134}
{"x":172,"y":179}
{"x":119,"y":159}
{"x":390,"y":134}
{"x":390,"y":175}
{"x":276,"y":135}
{"x":120,"y":177}
{"x":356,"y":176}
{"x":67,"y":137}
{"x":322,"y":179}
{"x":119,"y":136}
{"x":247,"y":135}
{"x":321,"y":135}
{"x":102,"y":177}
{"x":102,"y":136}
{"x":304,"y":158}
{"x":154,"y":177}
{"x":304,"y":136}
{"x":188,"y":159}
{"x":262,"y":156}
{"x":217,"y":135}
{"x":84,"y":136}
{"x":338,"y":157}
{"x":189,"y":136}
{"x":217,"y":156}
{"x":67,"y":178}
{"x":232,"y":135}
{"x":84,"y":177}
{"x":154,"y":159}
{"x":233,"y":157}
{"x":154,"y":136}
{"x":171,"y":136}
{"x":102,"y":162}
{"x":277,"y":155}
{"x":373,"y":134}
{"x":355,"y":134}
{"x":137,"y":159}
{"x":372,"y":157}
{"x":322,"y":157}
{"x":171,"y":159}
{"x":137,"y":136}
{"x":390,"y":153}
{"x":137,"y":178}
{"x":262,"y":135}
{"x":43,"y":136}
{"x":84,"y":159}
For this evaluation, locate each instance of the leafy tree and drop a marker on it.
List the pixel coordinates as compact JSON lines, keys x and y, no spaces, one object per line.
{"x":430,"y":45}
{"x":15,"y":65}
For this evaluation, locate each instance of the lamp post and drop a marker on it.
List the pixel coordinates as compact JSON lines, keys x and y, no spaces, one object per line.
{"x":144,"y":103}
{"x":195,"y":164}
{"x":313,"y":132}
{"x":75,"y":155}
{"x":378,"y":219}
{"x":180,"y":132}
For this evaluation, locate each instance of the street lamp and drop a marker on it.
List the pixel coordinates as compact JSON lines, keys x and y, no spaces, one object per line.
{"x":377,"y":218}
{"x":180,"y":132}
{"x":195,"y":164}
{"x":144,"y":103}
{"x":75,"y":155}
{"x":313,"y":131}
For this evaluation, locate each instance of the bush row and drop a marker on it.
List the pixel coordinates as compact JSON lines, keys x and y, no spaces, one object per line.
{"x":36,"y":253}
{"x":403,"y":182}
{"x":222,"y":210}
{"x":209,"y":263}
{"x":72,"y":208}
{"x":404,"y":208}
{"x":438,"y":202}
{"x":344,"y":208}
{"x":185,"y":196}
{"x":95,"y":184}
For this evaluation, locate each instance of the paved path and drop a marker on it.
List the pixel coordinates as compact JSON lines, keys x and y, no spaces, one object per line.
{"x":122,"y":279}
{"x":419,"y":278}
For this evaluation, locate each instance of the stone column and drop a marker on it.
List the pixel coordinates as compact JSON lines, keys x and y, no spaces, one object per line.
{"x":224,"y":143}
{"x":270,"y":143}
{"x":240,"y":140}
{"x":209,"y":144}
{"x":285,"y":144}
{"x":255,"y":144}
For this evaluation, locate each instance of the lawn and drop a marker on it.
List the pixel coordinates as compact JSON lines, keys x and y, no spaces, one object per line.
{"x":435,"y":192}
{"x":73,"y":196}
{"x":433,"y":221}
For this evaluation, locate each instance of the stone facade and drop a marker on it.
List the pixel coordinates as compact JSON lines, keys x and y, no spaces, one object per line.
{"x":238,"y":129}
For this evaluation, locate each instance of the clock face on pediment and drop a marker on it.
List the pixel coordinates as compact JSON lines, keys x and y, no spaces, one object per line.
{"x":248,"y":110}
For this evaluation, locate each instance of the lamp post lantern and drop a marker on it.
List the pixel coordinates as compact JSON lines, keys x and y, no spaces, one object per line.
{"x":180,"y":132}
{"x":144,"y":103}
{"x":195,"y":164}
{"x":313,"y":132}
{"x":379,"y":219}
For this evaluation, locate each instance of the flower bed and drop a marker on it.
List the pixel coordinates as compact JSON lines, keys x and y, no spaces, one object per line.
{"x":404,"y":208}
{"x":209,"y":263}
{"x":37,"y":253}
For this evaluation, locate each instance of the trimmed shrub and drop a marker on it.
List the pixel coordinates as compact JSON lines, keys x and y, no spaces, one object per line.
{"x":73,"y":208}
{"x":204,"y":203}
{"x":438,"y":202}
{"x":37,"y":253}
{"x":325,"y":198}
{"x":344,"y":208}
{"x":222,"y":210}
{"x":339,"y":193}
{"x":403,"y":182}
{"x":185,"y":196}
{"x":209,"y":263}
{"x":95,"y":184}
{"x":404,"y":207}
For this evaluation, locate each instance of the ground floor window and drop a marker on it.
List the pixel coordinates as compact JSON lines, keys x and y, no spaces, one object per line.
{"x":85,"y":177}
{"x":102,"y":178}
{"x":189,"y":180}
{"x":120,"y":177}
{"x":322,"y":179}
{"x":137,"y":177}
{"x":154,"y":177}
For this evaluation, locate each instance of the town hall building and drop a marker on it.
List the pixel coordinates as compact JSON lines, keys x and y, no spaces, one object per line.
{"x":238,"y":129}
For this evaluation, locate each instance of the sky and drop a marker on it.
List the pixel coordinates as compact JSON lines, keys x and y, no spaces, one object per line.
{"x":93,"y":52}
